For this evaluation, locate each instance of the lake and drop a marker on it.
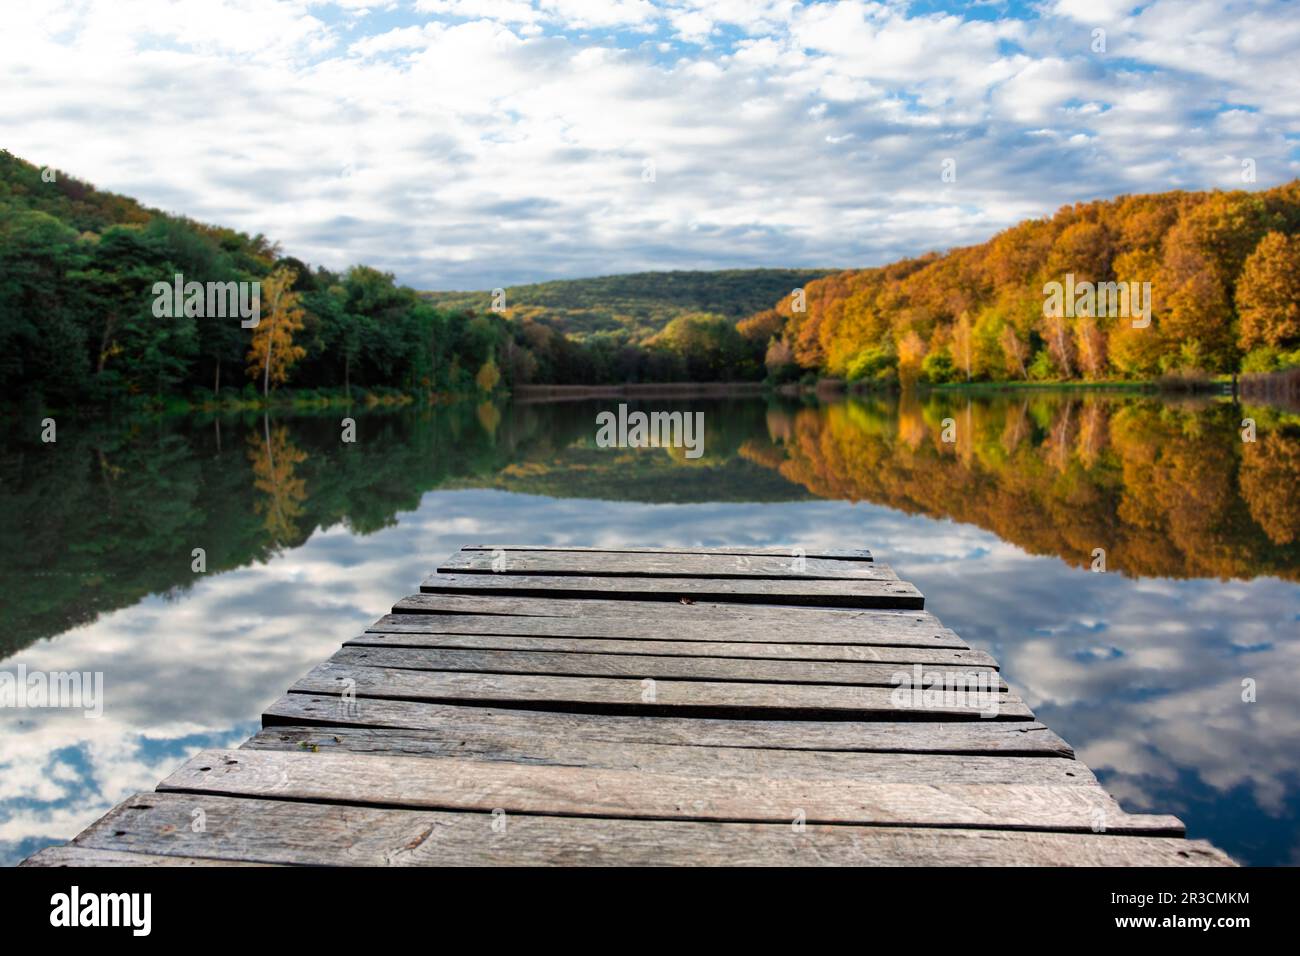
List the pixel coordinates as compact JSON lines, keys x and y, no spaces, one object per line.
{"x":1175,"y":672}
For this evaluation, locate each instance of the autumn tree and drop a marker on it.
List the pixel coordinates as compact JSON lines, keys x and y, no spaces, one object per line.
{"x":488,"y":377}
{"x":273,"y":352}
{"x":1268,"y":293}
{"x":963,"y":344}
{"x":1132,"y":351}
{"x":1084,"y":249}
{"x":911,"y":352}
{"x":1060,"y":342}
{"x":1196,"y":313}
{"x":1015,"y":351}
{"x":761,"y":326}
{"x":1090,"y":346}
{"x":1198,"y":322}
{"x":779,"y":357}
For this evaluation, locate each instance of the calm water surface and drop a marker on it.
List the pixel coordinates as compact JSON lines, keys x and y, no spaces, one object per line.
{"x":309,"y":539}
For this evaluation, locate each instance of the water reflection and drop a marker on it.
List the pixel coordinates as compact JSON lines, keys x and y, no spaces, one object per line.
{"x":1167,"y":490}
{"x":309,"y":538}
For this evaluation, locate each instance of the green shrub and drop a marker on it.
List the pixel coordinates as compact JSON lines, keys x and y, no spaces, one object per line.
{"x":1042,"y":368}
{"x":875,"y":364}
{"x":937,"y":368}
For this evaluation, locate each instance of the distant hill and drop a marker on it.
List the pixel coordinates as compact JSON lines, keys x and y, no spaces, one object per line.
{"x":637,"y":305}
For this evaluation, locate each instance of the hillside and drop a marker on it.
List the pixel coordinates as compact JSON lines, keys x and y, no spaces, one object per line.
{"x":635,"y":306}
{"x":1217,"y":274}
{"x":80,"y":325}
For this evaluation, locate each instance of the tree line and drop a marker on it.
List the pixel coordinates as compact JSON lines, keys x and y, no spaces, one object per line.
{"x":78,"y":324}
{"x":77,"y":327}
{"x":1222,"y":269}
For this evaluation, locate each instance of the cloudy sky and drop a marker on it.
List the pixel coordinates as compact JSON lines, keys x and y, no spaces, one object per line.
{"x":478,"y":143}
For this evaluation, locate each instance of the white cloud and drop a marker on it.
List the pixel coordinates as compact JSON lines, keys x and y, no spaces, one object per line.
{"x":496,"y":141}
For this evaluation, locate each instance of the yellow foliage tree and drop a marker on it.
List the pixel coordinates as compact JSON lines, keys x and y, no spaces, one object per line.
{"x":488,"y":377}
{"x":273,"y":352}
{"x":911,"y":350}
{"x":1090,"y":347}
{"x":963,"y":344}
{"x":1015,"y":351}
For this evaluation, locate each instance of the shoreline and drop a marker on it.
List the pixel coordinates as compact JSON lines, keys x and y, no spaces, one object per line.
{"x":527,"y":394}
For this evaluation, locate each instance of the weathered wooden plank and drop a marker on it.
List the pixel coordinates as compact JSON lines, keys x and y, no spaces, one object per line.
{"x":676,"y":702}
{"x":631,"y":696}
{"x":641,"y":666}
{"x":531,"y":748}
{"x":657,"y":620}
{"x":994,"y":737}
{"x":860,"y":594}
{"x":75,"y":855}
{"x":838,"y":554}
{"x":704,"y":566}
{"x":714,"y":649}
{"x":454,"y":784}
{"x":316,"y":834}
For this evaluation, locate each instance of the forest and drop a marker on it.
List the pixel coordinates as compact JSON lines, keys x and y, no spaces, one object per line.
{"x":77,"y":326}
{"x":1222,"y":269}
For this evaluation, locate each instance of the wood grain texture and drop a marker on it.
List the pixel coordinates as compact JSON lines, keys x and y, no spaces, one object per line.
{"x":633,"y":696}
{"x":838,"y":554}
{"x":531,"y":748}
{"x":992,"y":737}
{"x":952,"y":657}
{"x":700,"y":566}
{"x":277,"y":832}
{"x":856,"y":594}
{"x":658,"y":667}
{"x":455,"y":784}
{"x":649,"y":620}
{"x":79,"y":856}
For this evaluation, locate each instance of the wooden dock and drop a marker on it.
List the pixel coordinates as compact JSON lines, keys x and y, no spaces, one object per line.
{"x":644,"y":706}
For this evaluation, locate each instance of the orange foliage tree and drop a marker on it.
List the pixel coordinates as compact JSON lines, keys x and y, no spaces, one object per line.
{"x":1191,"y":250}
{"x":1268,"y":293}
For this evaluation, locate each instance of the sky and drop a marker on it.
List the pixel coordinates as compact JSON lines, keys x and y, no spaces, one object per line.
{"x":468,"y":144}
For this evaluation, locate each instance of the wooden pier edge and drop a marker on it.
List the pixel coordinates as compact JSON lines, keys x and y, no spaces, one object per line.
{"x":643,"y":706}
